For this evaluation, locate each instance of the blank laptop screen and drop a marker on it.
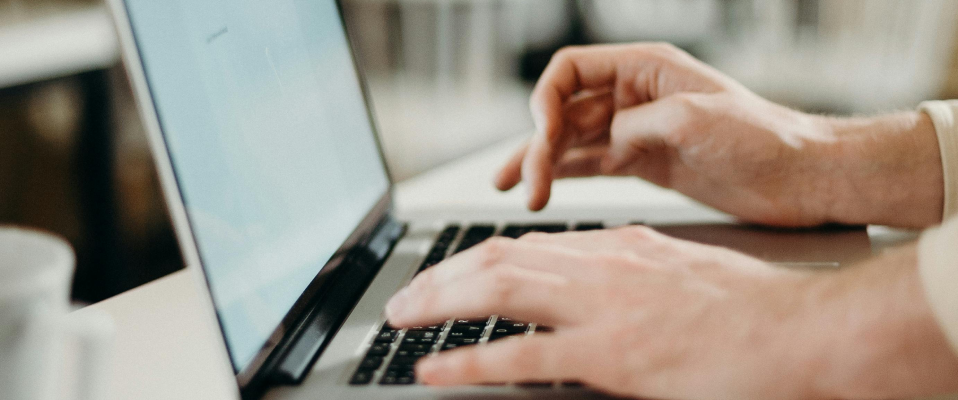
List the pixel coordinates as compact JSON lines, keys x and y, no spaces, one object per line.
{"x":270,"y":140}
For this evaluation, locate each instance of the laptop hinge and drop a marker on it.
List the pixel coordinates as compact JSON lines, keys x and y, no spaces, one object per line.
{"x":331,"y":308}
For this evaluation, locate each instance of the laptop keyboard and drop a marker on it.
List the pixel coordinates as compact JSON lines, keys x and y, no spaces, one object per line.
{"x":393,"y":352}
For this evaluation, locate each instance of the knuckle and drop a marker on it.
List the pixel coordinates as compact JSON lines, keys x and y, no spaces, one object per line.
{"x":503,"y":284}
{"x":665,"y":50}
{"x":566,"y":53}
{"x":500,"y":289}
{"x":492,"y":251}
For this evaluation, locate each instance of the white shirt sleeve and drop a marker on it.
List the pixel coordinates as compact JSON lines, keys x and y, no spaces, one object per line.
{"x":938,"y":247}
{"x":943,"y":116}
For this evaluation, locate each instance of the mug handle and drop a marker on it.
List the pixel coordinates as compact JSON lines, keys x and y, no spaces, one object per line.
{"x":92,"y":331}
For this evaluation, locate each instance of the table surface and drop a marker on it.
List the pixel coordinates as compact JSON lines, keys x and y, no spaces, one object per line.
{"x":60,"y":44}
{"x":167,"y":345}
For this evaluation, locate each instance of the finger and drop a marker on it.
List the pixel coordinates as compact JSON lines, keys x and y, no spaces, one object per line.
{"x":511,"y":173}
{"x":589,"y":116}
{"x":579,"y":163}
{"x":651,"y":71}
{"x":526,"y":359}
{"x":504,"y":251}
{"x":570,"y":71}
{"x":506,"y":290}
{"x":641,"y":241}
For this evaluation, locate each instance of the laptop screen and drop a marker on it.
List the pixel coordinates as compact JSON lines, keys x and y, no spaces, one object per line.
{"x":270,"y":140}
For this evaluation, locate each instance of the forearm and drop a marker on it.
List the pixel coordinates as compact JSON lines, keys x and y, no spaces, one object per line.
{"x":884,"y":170}
{"x":881,"y":339}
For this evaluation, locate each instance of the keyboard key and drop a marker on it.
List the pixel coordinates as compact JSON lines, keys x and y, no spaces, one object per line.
{"x":371,"y":362}
{"x":362,"y":377}
{"x":589,"y":226}
{"x":450,"y":346}
{"x":386,"y":336}
{"x":415,"y":347}
{"x":461,"y":334}
{"x":496,"y":335}
{"x":516,"y":231}
{"x":404,"y":361}
{"x":434,"y":328}
{"x":549,"y":228}
{"x":423,"y":335}
{"x":439,"y":249}
{"x":400,"y":367}
{"x":509,"y":330}
{"x":448,"y":235}
{"x":378,"y":349}
{"x":475,"y":235}
{"x":412,"y":353}
{"x":423,"y":340}
{"x":406,"y":372}
{"x":462,"y":341}
{"x":388,"y":380}
{"x":468,"y":328}
{"x":511,"y":326}
{"x":478,"y":321}
{"x":544,"y":329}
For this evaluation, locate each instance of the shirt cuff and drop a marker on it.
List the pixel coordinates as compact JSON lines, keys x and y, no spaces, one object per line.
{"x":938,"y":267}
{"x":942,"y":115}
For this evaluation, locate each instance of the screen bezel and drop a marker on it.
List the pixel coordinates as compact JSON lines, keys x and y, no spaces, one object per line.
{"x":181,"y":220}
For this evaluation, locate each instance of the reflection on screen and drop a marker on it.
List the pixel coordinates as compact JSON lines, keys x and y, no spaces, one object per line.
{"x":266,"y":126}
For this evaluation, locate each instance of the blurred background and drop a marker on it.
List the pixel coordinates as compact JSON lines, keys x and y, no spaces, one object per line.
{"x":447,"y":77}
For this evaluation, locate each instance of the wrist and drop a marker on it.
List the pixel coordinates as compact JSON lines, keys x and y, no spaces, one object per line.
{"x":874,"y":333}
{"x":882,"y":170}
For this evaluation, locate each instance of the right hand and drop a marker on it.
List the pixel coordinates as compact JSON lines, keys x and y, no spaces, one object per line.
{"x":655,"y":112}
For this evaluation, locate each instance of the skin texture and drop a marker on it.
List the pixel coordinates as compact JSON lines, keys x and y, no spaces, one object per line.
{"x":653,"y":111}
{"x":637,"y":313}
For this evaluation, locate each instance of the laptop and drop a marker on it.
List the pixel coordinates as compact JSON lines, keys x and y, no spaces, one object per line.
{"x":269,"y":161}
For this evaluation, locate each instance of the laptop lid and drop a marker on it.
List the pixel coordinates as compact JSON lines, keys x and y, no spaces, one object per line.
{"x":266,"y":148}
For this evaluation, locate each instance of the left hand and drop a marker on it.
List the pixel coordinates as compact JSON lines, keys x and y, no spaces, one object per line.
{"x":635,"y":313}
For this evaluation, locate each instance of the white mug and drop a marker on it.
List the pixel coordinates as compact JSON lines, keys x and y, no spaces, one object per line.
{"x":36,"y":271}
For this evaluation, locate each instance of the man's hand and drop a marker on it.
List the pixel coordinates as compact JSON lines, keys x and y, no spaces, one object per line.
{"x":653,"y":111}
{"x":640,"y":314}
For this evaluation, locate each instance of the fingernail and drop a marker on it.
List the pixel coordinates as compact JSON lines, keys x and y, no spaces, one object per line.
{"x":395,"y":305}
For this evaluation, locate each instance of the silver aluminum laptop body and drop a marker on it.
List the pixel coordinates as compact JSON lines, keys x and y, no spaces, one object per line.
{"x":314,"y":349}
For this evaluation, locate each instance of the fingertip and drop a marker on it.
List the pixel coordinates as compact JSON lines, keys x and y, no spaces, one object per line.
{"x":540,"y":189}
{"x":538,"y":200}
{"x":506,"y":179}
{"x":396,"y":307}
